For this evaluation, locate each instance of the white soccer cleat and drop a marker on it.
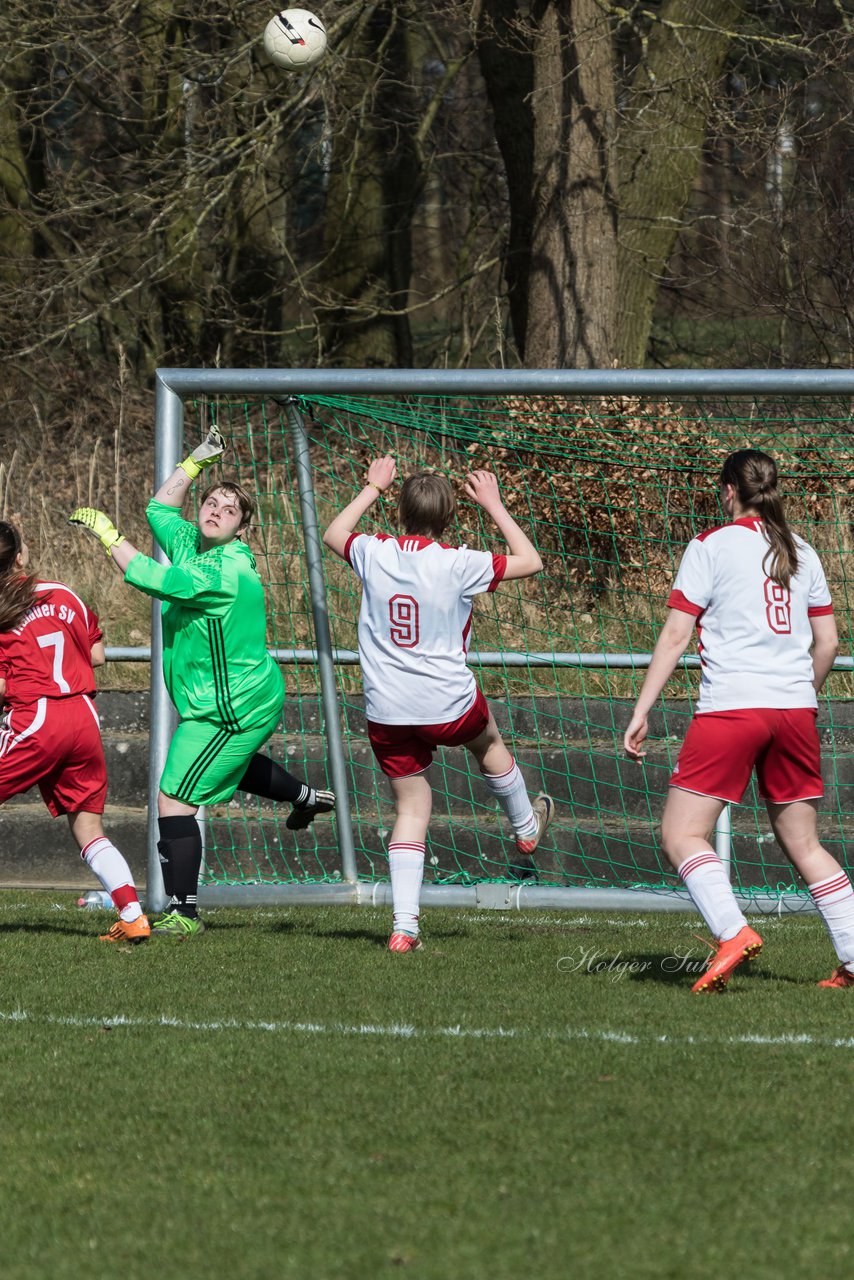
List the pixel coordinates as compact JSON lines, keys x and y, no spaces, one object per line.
{"x":544,"y":811}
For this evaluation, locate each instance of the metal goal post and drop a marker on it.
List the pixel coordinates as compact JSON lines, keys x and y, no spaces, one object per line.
{"x":176,"y":386}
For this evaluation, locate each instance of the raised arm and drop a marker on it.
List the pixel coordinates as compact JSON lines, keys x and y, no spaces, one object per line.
{"x":381,"y":474}
{"x":524,"y":559}
{"x":671,"y":644}
{"x":174,"y":489}
{"x":116,"y":545}
{"x":197,"y":584}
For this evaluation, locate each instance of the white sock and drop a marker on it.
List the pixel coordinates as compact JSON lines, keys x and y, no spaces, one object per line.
{"x":705,"y":878}
{"x":406,"y":868}
{"x":511,"y":793}
{"x":834,"y":900}
{"x":114,"y":874}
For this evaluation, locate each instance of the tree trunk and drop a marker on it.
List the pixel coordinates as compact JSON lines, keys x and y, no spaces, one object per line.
{"x":571,"y":289}
{"x":504,"y":50}
{"x":659,"y":148}
{"x":372,"y":192}
{"x":21,"y":171}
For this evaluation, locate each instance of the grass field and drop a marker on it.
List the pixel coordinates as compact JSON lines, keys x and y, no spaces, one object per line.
{"x":532,"y":1095}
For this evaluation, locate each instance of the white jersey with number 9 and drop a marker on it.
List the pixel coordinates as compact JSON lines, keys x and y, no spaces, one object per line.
{"x":414,"y":625}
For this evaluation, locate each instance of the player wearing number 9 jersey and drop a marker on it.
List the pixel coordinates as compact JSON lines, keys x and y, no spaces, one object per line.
{"x":414,"y":625}
{"x":49,"y":731}
{"x":767,"y":640}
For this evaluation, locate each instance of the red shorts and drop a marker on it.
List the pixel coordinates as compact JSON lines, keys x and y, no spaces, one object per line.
{"x":405,"y":749}
{"x":722,"y":747}
{"x":54,"y":744}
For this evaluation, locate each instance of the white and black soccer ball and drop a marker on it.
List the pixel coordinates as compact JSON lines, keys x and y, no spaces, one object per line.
{"x":295,"y":39}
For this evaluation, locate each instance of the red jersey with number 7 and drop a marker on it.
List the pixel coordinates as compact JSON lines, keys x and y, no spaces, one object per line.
{"x":754,"y":635}
{"x":414,"y":624}
{"x":48,"y":655}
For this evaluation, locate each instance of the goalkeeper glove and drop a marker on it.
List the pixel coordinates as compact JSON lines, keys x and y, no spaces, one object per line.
{"x":205,"y":454}
{"x":99,"y":524}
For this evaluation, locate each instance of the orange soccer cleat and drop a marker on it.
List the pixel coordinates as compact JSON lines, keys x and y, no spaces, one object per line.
{"x":841,"y":977}
{"x":403,"y":942}
{"x":746,"y":945}
{"x":138,"y":930}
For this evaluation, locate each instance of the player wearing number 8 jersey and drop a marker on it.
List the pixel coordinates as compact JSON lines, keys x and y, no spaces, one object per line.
{"x":767,"y":640}
{"x":754,"y":633}
{"x":49,"y":732}
{"x":414,"y":625}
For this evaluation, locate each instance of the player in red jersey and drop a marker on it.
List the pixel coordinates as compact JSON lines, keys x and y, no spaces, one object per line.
{"x":414,"y":625}
{"x":49,"y":730}
{"x":767,"y":637}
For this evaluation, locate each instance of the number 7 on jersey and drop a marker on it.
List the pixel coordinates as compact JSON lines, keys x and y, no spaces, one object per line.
{"x":56,"y":640}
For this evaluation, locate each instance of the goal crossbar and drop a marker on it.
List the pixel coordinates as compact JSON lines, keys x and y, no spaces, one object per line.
{"x":288,"y":388}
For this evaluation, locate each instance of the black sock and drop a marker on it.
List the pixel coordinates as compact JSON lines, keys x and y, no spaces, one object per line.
{"x":180,"y":849}
{"x":263,"y":777}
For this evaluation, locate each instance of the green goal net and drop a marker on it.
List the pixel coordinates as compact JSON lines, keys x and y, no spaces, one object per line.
{"x":611,"y":489}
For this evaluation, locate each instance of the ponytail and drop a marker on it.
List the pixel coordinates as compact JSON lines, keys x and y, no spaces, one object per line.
{"x":753,"y":475}
{"x":17,"y":590}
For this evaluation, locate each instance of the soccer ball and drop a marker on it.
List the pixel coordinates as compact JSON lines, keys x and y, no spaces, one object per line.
{"x":295,"y":39}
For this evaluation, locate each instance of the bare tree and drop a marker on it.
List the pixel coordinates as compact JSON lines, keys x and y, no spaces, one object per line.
{"x":544,"y":182}
{"x":375,"y":182}
{"x":763,"y":265}
{"x":663,"y":128}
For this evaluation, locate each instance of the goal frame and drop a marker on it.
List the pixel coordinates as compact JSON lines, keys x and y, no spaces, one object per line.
{"x":174,"y":385}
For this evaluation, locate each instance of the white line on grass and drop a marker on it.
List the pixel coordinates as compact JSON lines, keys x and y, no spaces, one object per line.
{"x":404,"y":1031}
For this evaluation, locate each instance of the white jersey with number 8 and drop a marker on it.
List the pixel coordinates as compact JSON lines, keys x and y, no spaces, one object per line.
{"x":754,"y":636}
{"x":414,"y":624}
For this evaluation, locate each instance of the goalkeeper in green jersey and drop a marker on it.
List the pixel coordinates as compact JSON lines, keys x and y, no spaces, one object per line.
{"x":226,"y":688}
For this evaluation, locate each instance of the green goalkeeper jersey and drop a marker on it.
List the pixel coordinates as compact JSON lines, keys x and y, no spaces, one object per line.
{"x":215,"y":660}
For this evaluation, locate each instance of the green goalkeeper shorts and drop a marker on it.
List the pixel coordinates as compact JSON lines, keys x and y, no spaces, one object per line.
{"x":206,"y":761}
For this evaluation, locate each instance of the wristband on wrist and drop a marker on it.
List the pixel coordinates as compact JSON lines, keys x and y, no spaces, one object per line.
{"x":190,"y":467}
{"x":371,"y":485}
{"x":109,"y":542}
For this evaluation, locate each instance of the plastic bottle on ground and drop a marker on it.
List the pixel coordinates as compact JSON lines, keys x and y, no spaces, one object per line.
{"x":96,"y":900}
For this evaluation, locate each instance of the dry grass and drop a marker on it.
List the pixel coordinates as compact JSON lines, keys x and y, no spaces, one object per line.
{"x":611,"y":490}
{"x":94,"y":450}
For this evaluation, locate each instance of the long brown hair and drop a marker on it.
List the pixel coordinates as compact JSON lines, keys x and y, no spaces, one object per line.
{"x":17,"y":589}
{"x":426,"y":504}
{"x":753,"y":475}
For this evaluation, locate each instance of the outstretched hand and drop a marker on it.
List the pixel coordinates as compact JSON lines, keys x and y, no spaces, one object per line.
{"x":482,"y":488}
{"x":212,"y":447}
{"x":98,"y":524}
{"x":382,"y":472}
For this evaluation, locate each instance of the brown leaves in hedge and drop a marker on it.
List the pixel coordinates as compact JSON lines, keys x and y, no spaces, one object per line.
{"x":616,"y":486}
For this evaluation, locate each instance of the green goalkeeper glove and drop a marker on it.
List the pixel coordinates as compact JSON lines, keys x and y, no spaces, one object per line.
{"x":99,"y":524}
{"x":205,"y":454}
